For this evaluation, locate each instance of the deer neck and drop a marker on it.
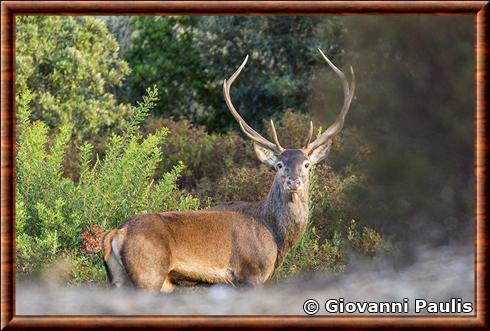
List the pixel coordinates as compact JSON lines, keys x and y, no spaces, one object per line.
{"x":286,"y":214}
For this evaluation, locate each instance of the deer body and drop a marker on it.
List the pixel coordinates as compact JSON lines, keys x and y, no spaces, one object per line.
{"x":239,"y":243}
{"x":205,"y":246}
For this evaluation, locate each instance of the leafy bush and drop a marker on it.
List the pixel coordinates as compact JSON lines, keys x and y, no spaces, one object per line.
{"x":71,"y":65}
{"x":283,"y":62}
{"x":239,"y":184}
{"x":163,"y":52}
{"x":61,"y":218}
{"x":313,"y":253}
{"x":207,"y":156}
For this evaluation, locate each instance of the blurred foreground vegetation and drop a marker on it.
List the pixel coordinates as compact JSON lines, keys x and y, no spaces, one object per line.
{"x":96,"y":145}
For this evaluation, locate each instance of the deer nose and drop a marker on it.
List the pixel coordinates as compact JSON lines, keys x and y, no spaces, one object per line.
{"x":293,"y":184}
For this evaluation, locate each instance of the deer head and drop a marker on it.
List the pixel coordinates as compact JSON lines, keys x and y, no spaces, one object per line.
{"x":292,"y":165}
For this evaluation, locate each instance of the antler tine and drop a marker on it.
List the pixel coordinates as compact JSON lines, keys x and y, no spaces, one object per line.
{"x":274,"y":135}
{"x":249,"y":132}
{"x":310,"y":135}
{"x":339,"y":122}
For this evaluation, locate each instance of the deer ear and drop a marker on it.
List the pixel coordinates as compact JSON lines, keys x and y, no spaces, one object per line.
{"x":265,"y":155}
{"x":320,"y":153}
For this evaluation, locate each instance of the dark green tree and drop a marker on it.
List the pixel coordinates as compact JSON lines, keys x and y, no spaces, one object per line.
{"x":188,"y":58}
{"x":283,"y":59}
{"x":163,"y":52}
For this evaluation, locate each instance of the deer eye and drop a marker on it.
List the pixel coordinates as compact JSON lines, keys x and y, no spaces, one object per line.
{"x":279,"y":165}
{"x":307,"y":165}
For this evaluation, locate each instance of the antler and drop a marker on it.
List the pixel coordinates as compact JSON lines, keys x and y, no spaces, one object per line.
{"x":249,"y":132}
{"x":339,"y":123}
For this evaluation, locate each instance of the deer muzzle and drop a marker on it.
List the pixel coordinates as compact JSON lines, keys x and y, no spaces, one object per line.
{"x":293,"y":184}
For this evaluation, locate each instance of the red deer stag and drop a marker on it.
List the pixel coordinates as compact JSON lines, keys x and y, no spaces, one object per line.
{"x":239,"y":243}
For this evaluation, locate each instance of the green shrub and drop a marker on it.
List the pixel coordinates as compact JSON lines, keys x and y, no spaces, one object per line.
{"x":239,"y":184}
{"x":364,"y":240}
{"x":164,"y":52}
{"x":71,"y":65}
{"x":207,"y":156}
{"x":313,"y":254}
{"x":58,"y":217}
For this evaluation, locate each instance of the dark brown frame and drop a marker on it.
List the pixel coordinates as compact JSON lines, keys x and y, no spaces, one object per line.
{"x":9,"y":9}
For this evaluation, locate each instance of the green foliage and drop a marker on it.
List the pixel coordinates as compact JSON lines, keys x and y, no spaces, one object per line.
{"x":283,"y":61}
{"x":313,"y":254}
{"x":163,"y":53}
{"x":85,"y":268}
{"x":188,"y":58}
{"x":58,"y":217}
{"x":239,"y":184}
{"x":71,"y":65}
{"x":207,"y":156}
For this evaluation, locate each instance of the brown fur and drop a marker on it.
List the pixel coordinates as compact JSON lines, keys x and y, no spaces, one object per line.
{"x":237,"y":243}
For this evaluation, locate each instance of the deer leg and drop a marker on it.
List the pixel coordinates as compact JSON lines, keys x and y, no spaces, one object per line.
{"x":147,"y":267}
{"x":251,"y":280}
{"x":168,"y":285}
{"x":116,"y":273}
{"x":150,"y":279}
